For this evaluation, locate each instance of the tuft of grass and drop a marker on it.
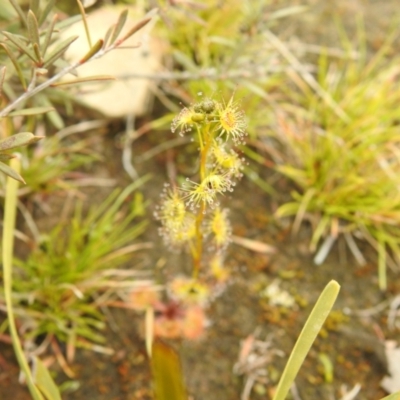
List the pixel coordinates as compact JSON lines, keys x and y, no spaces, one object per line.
{"x":345,"y":161}
{"x":75,"y":270}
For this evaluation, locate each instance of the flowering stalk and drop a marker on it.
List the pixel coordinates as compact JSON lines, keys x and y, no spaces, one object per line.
{"x":191,"y":216}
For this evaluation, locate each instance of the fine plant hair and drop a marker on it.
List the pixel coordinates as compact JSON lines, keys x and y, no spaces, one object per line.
{"x":191,"y":215}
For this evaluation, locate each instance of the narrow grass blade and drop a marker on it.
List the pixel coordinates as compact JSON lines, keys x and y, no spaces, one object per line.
{"x":10,"y":207}
{"x":307,"y":336}
{"x":45,"y":382}
{"x":167,"y":373}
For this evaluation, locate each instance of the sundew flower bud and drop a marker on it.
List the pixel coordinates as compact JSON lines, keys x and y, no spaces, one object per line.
{"x":178,"y":225}
{"x":228,"y":161}
{"x":232,"y":121}
{"x":207,"y":105}
{"x":188,"y":290}
{"x":184,"y":121}
{"x":172,"y":210}
{"x":220,"y":227}
{"x":208,"y":189}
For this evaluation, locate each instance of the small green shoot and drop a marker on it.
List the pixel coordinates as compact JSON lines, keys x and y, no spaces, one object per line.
{"x":307,"y":336}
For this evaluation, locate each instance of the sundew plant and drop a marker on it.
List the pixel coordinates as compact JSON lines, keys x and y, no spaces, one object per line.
{"x":191,"y":215}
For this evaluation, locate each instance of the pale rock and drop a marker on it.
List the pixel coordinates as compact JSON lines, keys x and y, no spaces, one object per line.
{"x":120,"y":97}
{"x":392,"y":383}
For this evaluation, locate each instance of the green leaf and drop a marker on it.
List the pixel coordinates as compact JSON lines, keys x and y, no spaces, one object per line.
{"x":16,"y":65}
{"x":96,"y":78}
{"x":46,"y":11}
{"x":118,"y":27}
{"x":20,"y":44}
{"x":167,"y":373}
{"x":45,"y":382}
{"x":18,"y":140}
{"x":31,"y":111}
{"x":134,"y":29}
{"x":33,"y":29}
{"x":19,"y":11}
{"x":11,"y":173}
{"x":59,"y":51}
{"x":307,"y":336}
{"x":95,"y":49}
{"x":49,"y":33}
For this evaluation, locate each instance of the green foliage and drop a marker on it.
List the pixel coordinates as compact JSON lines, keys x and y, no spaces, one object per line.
{"x":57,"y":287}
{"x":10,"y":143}
{"x":306,"y":338}
{"x":46,"y":167}
{"x":344,"y":158}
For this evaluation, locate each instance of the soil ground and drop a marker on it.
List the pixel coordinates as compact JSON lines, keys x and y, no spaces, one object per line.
{"x":349,"y":341}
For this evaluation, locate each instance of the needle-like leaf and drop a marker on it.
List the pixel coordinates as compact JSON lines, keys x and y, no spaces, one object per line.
{"x":33,"y":30}
{"x":119,"y":26}
{"x":49,"y":33}
{"x":46,"y":11}
{"x":95,"y":49}
{"x":20,"y":44}
{"x":59,"y":51}
{"x":19,"y":11}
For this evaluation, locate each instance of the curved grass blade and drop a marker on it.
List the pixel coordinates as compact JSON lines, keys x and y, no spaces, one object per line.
{"x":8,"y":245}
{"x":45,"y":382}
{"x":307,"y":336}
